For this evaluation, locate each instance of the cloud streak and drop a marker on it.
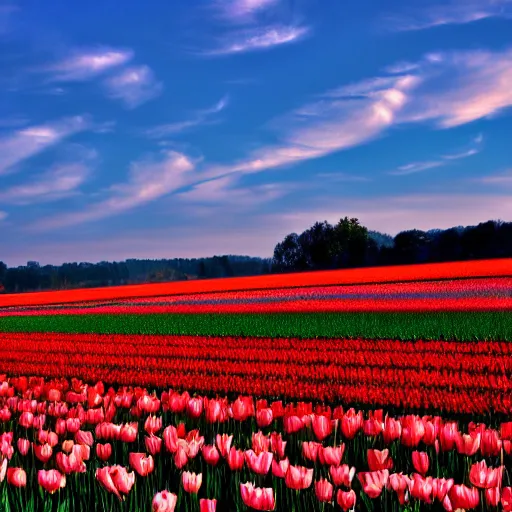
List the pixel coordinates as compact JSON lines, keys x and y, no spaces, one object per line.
{"x":22,"y":144}
{"x":198,"y":119}
{"x":87,"y":64}
{"x":134,"y":86}
{"x":59,"y":182}
{"x":243,"y":11}
{"x":147,"y":181}
{"x":454,"y":12}
{"x":258,"y":39}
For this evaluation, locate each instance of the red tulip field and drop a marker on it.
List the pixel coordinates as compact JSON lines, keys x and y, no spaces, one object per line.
{"x":370,"y":389}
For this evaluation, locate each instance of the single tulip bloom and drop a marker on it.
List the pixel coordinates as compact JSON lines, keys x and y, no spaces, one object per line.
{"x":346,"y":500}
{"x":264,"y":417}
{"x":322,"y":427}
{"x":258,"y":498}
{"x":153,"y":424}
{"x":141,"y":464}
{"x":51,"y":480}
{"x":400,"y":484}
{"x":16,"y":477}
{"x":277,"y":445}
{"x":210,"y":454}
{"x":224,"y":444}
{"x":260,"y":442}
{"x":259,"y":464}
{"x":170,"y":436}
{"x":310,"y":450}
{"x":164,"y":501}
{"x":84,"y":437}
{"x":342,"y":475}
{"x":235,"y":459}
{"x":207,"y":505}
{"x":483,"y":477}
{"x":324,"y":490}
{"x":191,"y":482}
{"x":378,"y":460}
{"x":43,"y":452}
{"x":298,"y":477}
{"x":23,"y":445}
{"x":373,"y":482}
{"x":492,"y":496}
{"x":103,"y":451}
{"x":421,"y":462}
{"x":153,"y":444}
{"x":331,"y":456}
{"x":280,"y":468}
{"x":464,"y":497}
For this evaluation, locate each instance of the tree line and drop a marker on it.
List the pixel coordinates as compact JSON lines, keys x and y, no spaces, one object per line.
{"x":323,"y":246}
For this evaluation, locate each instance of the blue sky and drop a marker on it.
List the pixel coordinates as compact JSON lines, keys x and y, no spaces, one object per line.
{"x":186,"y":129}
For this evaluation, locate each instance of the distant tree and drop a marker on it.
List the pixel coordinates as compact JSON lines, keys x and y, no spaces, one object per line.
{"x":411,"y":246}
{"x":350,"y":242}
{"x":315,"y":244}
{"x":288,"y":255}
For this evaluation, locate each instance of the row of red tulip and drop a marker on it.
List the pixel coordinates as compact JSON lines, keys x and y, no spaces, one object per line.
{"x":493,"y":287}
{"x":431,"y":271}
{"x":293,"y":306}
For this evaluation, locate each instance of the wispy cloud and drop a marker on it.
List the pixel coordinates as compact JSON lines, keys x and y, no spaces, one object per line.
{"x":134,"y":86}
{"x":413,"y":168}
{"x":261,"y":38}
{"x":87,"y":64}
{"x":224,"y":192}
{"x":497,"y":179}
{"x":243,"y":11}
{"x":57,"y":183}
{"x":147,"y":181}
{"x":454,"y":12}
{"x":199,"y":118}
{"x":22,"y":144}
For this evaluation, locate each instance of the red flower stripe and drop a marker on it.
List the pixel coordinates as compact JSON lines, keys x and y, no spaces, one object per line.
{"x":299,"y":306}
{"x":430,"y":271}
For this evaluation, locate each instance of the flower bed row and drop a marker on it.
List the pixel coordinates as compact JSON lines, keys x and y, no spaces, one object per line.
{"x":128,"y":448}
{"x":405,"y":374}
{"x":431,"y":271}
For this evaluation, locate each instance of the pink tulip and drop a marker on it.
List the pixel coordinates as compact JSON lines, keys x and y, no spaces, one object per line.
{"x":346,"y":500}
{"x":51,"y":480}
{"x":164,"y":501}
{"x":207,"y":505}
{"x":373,"y":482}
{"x":191,"y":482}
{"x":259,"y":464}
{"x":16,"y":477}
{"x":342,"y":475}
{"x":224,"y":444}
{"x":104,"y":451}
{"x":298,"y":477}
{"x":324,"y":490}
{"x":483,"y":477}
{"x":235,"y":459}
{"x":141,"y":464}
{"x":257,"y":498}
{"x":421,"y":462}
{"x":210,"y":454}
{"x":378,"y":460}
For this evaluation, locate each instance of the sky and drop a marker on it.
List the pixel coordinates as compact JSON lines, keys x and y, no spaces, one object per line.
{"x":201,"y":127}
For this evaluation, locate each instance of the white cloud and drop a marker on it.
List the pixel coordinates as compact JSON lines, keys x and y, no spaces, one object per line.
{"x":59,"y":182}
{"x":497,"y":179}
{"x":199,"y":118}
{"x":243,"y":11}
{"x":25,"y":143}
{"x":455,"y":12}
{"x":134,"y":86}
{"x":147,"y":181}
{"x":84,"y":65}
{"x":258,"y":39}
{"x":416,"y":167}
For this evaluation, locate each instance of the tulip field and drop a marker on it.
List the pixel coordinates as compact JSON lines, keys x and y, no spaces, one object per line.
{"x":376,"y":389}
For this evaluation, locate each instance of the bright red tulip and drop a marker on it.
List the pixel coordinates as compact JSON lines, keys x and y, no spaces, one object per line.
{"x":153,"y":444}
{"x":104,"y":451}
{"x":351,"y":423}
{"x":207,"y":505}
{"x":400,"y":484}
{"x":346,"y":500}
{"x":170,"y":436}
{"x":164,"y":501}
{"x":378,"y":460}
{"x":181,"y":455}
{"x":413,"y":431}
{"x":331,"y":456}
{"x":506,"y":499}
{"x":191,"y":482}
{"x":195,"y":407}
{"x":298,"y":477}
{"x":324,"y":490}
{"x":264,"y":417}
{"x":257,"y":498}
{"x":23,"y":445}
{"x":492,"y":496}
{"x":43,"y":452}
{"x":16,"y":477}
{"x":421,"y":462}
{"x":421,"y":488}
{"x":448,"y":435}
{"x":441,"y":487}
{"x":235,"y":459}
{"x":483,"y":477}
{"x":342,"y":475}
{"x":51,"y":480}
{"x":310,"y":450}
{"x":224,"y":444}
{"x":128,"y":432}
{"x":26,"y":419}
{"x":373,"y":482}
{"x":464,"y":497}
{"x":153,"y":424}
{"x":280,"y":468}
{"x":467,"y":444}
{"x":210,"y":454}
{"x":141,"y":464}
{"x":490,"y":444}
{"x":83,"y":437}
{"x":322,"y":427}
{"x":259,"y":464}
{"x":277,"y":445}
{"x":392,"y":430}
{"x":70,"y":463}
{"x":292,"y":424}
